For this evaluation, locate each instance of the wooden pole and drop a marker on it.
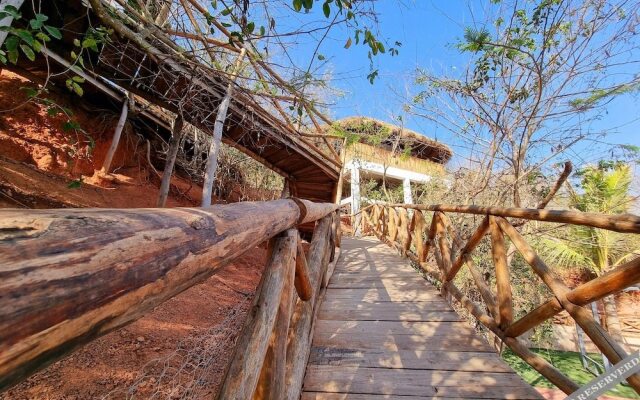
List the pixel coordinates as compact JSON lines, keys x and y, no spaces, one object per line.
{"x":301,"y":331}
{"x":246,"y":365}
{"x":503,"y":282}
{"x":172,"y":153}
{"x":302,"y":280}
{"x":625,"y":223}
{"x":612,"y":282}
{"x":216,"y":140}
{"x":68,"y":276}
{"x":106,"y":165}
{"x":612,"y":350}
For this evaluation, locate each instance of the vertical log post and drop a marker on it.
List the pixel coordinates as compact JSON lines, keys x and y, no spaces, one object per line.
{"x":503,"y":284}
{"x":271,"y":384}
{"x":106,"y":165}
{"x":216,"y":140}
{"x":172,"y":153}
{"x":246,"y":365}
{"x":302,"y":321}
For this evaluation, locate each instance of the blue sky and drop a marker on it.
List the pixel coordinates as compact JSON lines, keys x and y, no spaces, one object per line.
{"x":428,"y":29}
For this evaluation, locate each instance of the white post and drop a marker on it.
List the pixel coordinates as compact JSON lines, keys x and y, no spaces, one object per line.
{"x":5,"y":22}
{"x":355,"y":199}
{"x":406,"y":190}
{"x":212,"y":159}
{"x":106,"y":165}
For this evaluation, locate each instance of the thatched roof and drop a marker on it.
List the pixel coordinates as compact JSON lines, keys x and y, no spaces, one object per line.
{"x":421,"y":146}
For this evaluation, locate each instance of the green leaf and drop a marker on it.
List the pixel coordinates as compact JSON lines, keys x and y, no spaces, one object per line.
{"x":263,"y":30}
{"x":78,"y":89}
{"x":10,"y":11}
{"x":41,"y":17}
{"x":297,"y":5}
{"x":35,"y":24}
{"x":321,"y":57}
{"x":43,"y":36}
{"x":78,"y":79}
{"x":13,"y":56}
{"x":75,"y":184}
{"x":226,"y":12}
{"x":12,"y":43}
{"x":326,"y":9}
{"x":250,"y":27}
{"x":30,"y":92}
{"x":28,"y":51}
{"x":214,"y":4}
{"x":308,"y":4}
{"x":53,"y":31}
{"x":76,"y":42}
{"x":25,"y":35}
{"x":348,"y":44}
{"x":90,"y":43}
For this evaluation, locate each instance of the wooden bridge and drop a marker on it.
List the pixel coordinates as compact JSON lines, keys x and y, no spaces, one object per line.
{"x":348,"y":319}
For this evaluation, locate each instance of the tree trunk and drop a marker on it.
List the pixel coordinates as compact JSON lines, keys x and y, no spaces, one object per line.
{"x":174,"y":144}
{"x":106,"y":165}
{"x":7,"y":20}
{"x":212,"y":159}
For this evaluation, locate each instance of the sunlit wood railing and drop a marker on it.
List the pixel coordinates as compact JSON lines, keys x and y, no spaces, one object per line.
{"x":405,"y":228}
{"x":69,"y":276}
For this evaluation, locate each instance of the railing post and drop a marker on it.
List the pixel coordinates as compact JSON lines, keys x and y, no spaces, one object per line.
{"x":246,"y":365}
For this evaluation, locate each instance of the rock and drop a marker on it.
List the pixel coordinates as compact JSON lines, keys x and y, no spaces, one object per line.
{"x":140,"y":339}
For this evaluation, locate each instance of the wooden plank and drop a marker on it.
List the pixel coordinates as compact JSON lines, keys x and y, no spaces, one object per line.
{"x":382,"y":294}
{"x":409,"y":359}
{"x":455,"y":328}
{"x":383,"y":332}
{"x":356,"y":396}
{"x":406,"y":382}
{"x":401,"y":342}
{"x":386,"y":312}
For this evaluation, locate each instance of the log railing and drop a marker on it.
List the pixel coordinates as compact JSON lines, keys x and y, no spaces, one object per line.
{"x":404,"y":227}
{"x":68,"y":276}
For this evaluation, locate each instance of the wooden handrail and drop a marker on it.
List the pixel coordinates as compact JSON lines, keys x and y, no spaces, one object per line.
{"x":68,"y":276}
{"x":450,"y":259}
{"x":625,"y":223}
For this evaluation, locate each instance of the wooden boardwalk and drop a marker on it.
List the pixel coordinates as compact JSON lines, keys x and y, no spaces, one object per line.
{"x":383,"y":332}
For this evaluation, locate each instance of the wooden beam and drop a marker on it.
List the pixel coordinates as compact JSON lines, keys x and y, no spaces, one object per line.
{"x":503,"y":281}
{"x":71,"y":275}
{"x":626,"y":223}
{"x":612,"y":282}
{"x":246,"y":365}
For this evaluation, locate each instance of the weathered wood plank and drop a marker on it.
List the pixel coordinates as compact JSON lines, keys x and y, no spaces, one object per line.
{"x":382,"y":294}
{"x":407,"y":382}
{"x":385,"y":333}
{"x":410,"y":359}
{"x":386,"y":312}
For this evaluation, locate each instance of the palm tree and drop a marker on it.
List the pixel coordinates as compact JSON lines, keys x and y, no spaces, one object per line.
{"x":604,"y":189}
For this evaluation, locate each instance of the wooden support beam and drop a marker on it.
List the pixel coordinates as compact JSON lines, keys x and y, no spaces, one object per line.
{"x":626,"y":223}
{"x":609,"y":347}
{"x":418,"y":225}
{"x":465,"y":252}
{"x":301,"y":331}
{"x":612,"y":282}
{"x":443,"y":244}
{"x":172,"y":153}
{"x":503,"y":281}
{"x":246,"y":365}
{"x":302,"y":281}
{"x":115,"y":140}
{"x":68,"y":276}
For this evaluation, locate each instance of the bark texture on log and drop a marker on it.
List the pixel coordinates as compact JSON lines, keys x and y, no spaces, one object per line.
{"x":68,"y":276}
{"x":300,"y":334}
{"x":246,"y":365}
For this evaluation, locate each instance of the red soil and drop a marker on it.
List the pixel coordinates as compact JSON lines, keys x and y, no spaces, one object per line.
{"x":181,"y":349}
